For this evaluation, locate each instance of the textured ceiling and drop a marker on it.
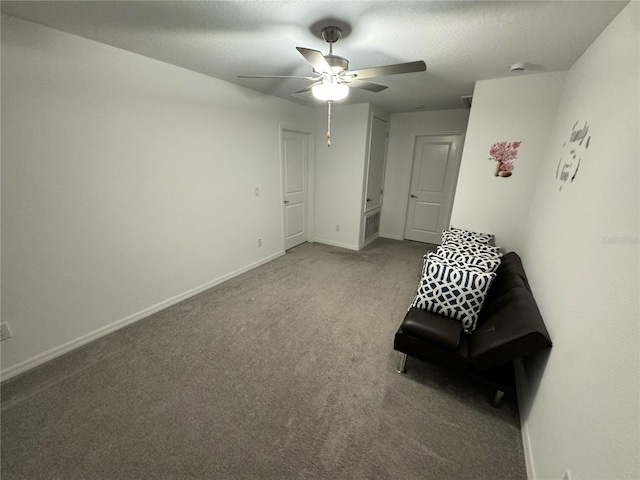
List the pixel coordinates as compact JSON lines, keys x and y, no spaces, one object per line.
{"x":461,"y":41}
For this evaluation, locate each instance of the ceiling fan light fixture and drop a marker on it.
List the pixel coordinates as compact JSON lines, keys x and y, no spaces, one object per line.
{"x":330,"y":91}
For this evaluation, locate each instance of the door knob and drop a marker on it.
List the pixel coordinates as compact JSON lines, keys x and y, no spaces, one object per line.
{"x":286,"y":202}
{"x":413,"y":196}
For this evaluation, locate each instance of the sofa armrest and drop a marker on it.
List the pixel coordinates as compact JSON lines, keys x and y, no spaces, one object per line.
{"x":431,"y":327}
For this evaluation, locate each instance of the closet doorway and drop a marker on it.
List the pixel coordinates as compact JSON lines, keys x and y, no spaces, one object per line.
{"x":436,"y":161}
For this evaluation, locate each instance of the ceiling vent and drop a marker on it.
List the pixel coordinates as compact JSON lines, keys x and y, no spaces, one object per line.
{"x":466,"y":101}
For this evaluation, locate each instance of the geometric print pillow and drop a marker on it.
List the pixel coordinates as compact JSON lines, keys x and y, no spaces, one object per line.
{"x":472,"y":248}
{"x":453,"y":292}
{"x":456,"y":237}
{"x":455,"y":262}
{"x":468,"y":235}
{"x":489,"y":257}
{"x":486,"y":264}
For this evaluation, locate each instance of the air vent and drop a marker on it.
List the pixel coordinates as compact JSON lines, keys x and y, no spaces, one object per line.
{"x":466,"y":101}
{"x":372,"y":226}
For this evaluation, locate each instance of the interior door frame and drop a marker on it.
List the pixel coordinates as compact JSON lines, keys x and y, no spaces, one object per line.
{"x":407,"y":190}
{"x":384,"y":118}
{"x":311,"y":194}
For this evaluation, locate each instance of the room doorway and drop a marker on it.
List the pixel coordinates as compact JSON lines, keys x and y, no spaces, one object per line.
{"x":295,"y":164}
{"x":436,"y":161}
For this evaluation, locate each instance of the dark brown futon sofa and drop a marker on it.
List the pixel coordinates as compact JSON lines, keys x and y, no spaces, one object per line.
{"x":509,"y":326}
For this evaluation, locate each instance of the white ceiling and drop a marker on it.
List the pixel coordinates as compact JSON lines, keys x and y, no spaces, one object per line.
{"x":461,"y":41}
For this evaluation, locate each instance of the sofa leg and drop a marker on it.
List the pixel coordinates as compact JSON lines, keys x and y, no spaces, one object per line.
{"x":497,"y":399}
{"x":402,"y":366}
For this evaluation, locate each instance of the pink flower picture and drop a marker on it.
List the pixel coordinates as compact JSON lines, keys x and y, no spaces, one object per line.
{"x":504,"y":153}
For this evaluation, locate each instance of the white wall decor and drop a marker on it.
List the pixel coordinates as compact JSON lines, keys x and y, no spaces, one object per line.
{"x":573,"y":150}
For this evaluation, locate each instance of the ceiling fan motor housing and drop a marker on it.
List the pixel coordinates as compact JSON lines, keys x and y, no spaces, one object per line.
{"x":331,"y":34}
{"x":337,"y":63}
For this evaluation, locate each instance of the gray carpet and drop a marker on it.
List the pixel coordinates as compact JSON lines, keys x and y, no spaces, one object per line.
{"x":287,"y":371}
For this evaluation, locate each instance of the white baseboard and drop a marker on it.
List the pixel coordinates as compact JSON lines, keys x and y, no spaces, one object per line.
{"x":337,"y":244}
{"x":55,"y":352}
{"x":522,"y":390}
{"x":391,"y":236}
{"x":367,"y":242}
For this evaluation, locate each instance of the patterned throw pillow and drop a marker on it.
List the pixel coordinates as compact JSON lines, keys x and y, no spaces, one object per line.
{"x":459,"y":262}
{"x":449,"y":236}
{"x":487,"y":238}
{"x":487,"y":264}
{"x":453,"y":292}
{"x":472,"y":249}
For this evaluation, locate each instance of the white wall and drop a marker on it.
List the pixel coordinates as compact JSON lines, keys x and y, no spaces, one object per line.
{"x":127,"y":183}
{"x":404,"y":128}
{"x":339,"y":174}
{"x":580,"y":250}
{"x":519,"y":108}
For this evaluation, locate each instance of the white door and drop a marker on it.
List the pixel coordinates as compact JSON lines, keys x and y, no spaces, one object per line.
{"x":375,"y":174}
{"x":294,"y":184}
{"x":436,"y":160}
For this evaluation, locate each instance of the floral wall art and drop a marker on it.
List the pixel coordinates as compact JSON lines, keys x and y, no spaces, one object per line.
{"x":504,"y":153}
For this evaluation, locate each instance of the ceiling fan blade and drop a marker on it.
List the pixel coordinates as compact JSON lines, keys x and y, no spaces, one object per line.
{"x":277,"y":76}
{"x":316,"y":59}
{"x":372,"y":87}
{"x":307,"y":88}
{"x":396,"y":69}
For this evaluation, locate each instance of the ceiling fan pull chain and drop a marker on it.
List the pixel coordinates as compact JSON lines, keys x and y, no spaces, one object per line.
{"x":329,"y":124}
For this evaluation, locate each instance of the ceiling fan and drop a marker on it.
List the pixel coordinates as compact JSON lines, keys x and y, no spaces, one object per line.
{"x":332,"y":79}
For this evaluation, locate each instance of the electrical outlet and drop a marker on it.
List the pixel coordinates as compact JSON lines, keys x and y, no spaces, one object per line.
{"x":256,"y":191}
{"x":5,"y":332}
{"x":567,"y":475}
{"x":337,"y":228}
{"x":259,"y":242}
